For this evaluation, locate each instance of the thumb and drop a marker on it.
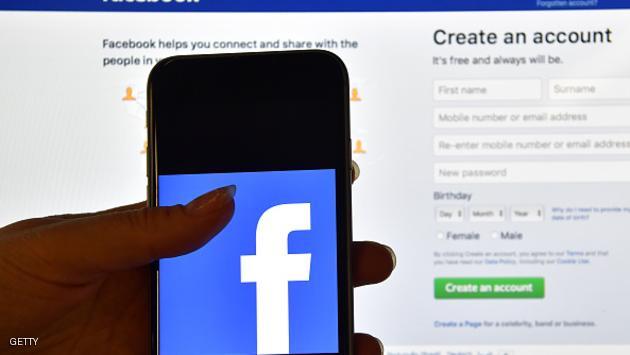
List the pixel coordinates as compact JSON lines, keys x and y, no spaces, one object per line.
{"x":77,"y":250}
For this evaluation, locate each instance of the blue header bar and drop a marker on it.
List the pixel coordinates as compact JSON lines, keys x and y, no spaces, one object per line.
{"x":307,"y":5}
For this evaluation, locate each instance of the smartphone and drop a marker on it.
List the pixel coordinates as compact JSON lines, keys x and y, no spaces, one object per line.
{"x":276,"y":125}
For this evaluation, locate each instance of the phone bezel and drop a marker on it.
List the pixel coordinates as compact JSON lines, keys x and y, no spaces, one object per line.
{"x":343,"y":182}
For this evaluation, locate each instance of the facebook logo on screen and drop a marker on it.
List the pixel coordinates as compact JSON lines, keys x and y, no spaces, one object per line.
{"x":271,"y":268}
{"x":267,"y":284}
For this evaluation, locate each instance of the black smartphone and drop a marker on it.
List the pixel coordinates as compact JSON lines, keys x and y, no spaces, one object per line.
{"x":277,"y":279}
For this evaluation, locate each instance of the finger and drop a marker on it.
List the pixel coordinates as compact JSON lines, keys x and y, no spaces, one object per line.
{"x":371,"y":263}
{"x":84,"y":248}
{"x":365,"y":344}
{"x":42,"y":221}
{"x":355,"y":171}
{"x":36,"y":222}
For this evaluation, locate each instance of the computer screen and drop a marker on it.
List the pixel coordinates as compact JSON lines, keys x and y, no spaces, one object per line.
{"x":493,"y":139}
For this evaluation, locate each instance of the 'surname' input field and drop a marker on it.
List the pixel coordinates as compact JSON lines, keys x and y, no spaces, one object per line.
{"x":589,"y":89}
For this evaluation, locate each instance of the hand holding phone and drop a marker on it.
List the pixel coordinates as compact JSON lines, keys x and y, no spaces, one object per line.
{"x":89,"y":296}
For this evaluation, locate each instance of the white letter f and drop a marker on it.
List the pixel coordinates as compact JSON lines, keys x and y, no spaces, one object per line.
{"x":272,"y":268}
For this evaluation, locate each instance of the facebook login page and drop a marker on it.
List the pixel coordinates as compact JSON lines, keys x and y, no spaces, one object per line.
{"x":493,"y":138}
{"x":267,"y":284}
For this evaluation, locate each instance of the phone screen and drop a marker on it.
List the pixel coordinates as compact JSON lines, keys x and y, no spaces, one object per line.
{"x":268,"y":282}
{"x":275,"y":280}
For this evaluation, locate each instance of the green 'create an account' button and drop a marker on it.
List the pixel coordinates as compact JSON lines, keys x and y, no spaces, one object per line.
{"x":489,"y":287}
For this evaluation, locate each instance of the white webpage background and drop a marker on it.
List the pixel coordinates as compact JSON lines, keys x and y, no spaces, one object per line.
{"x":69,"y":144}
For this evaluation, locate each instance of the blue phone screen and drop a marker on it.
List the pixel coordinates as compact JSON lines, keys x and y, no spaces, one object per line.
{"x":267,"y":283}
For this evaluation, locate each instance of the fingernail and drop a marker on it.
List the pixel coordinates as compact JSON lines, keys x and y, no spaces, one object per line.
{"x":355,"y":171}
{"x":392,"y":253}
{"x":211,"y":201}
